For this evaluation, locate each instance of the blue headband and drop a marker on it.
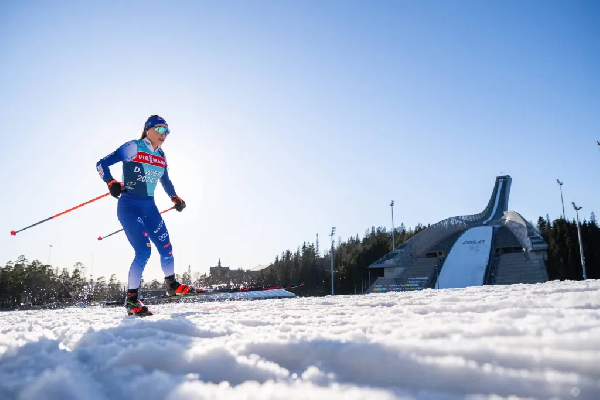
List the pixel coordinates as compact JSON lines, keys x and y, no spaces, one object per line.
{"x":153,"y":121}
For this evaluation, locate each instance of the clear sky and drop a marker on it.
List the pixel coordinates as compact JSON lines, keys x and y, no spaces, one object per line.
{"x":288,"y":118}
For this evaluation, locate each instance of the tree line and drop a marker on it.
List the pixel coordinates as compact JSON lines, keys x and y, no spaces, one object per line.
{"x":31,"y":284}
{"x":564,"y":257}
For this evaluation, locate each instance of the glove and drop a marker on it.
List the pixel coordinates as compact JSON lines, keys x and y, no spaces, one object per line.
{"x":115,"y":188}
{"x":179,"y":204}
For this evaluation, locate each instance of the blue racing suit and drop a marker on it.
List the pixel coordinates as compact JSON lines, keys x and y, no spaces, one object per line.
{"x":143,"y":168}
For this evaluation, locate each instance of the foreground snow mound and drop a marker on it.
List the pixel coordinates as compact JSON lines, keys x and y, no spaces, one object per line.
{"x":525,"y":341}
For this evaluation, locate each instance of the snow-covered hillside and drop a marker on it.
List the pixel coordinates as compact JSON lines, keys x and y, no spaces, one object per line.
{"x":528,"y":341}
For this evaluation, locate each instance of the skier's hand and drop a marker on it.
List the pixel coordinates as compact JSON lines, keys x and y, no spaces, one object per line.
{"x":115,"y":188}
{"x":179,"y":203}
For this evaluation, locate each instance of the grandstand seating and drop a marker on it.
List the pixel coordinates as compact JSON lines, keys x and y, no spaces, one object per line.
{"x":518,"y":268}
{"x":511,"y":264}
{"x":419,"y":276}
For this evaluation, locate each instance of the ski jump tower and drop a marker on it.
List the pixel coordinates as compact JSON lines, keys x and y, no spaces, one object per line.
{"x":493,"y":247}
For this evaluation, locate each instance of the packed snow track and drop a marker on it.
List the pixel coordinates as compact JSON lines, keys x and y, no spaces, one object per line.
{"x":526,"y":341}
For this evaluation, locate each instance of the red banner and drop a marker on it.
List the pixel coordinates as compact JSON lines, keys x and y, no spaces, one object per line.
{"x":146,"y":158}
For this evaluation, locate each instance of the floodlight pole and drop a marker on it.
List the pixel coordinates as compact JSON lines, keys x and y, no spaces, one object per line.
{"x":561,"y":197}
{"x":332,"y":233}
{"x":580,"y":243}
{"x":393,"y":241}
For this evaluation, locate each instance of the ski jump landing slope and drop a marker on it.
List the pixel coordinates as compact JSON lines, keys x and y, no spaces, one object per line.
{"x":467,"y":260}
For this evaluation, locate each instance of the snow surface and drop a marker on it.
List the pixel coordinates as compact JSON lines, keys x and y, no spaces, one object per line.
{"x":526,"y":341}
{"x":259,"y":294}
{"x":467,"y":260}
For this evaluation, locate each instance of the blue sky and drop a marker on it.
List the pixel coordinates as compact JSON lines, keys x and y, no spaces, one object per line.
{"x":289,"y":118}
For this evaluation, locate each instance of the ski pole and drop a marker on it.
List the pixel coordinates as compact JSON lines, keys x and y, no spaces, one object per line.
{"x":14,"y":233}
{"x":104,"y":237}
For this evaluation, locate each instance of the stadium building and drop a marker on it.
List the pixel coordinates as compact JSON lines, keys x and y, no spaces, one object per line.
{"x":494,"y":247}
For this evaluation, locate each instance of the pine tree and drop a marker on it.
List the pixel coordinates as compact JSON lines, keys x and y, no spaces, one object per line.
{"x":186,"y":278}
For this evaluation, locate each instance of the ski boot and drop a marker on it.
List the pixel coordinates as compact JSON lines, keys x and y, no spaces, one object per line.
{"x":134,"y":306}
{"x":175,"y":288}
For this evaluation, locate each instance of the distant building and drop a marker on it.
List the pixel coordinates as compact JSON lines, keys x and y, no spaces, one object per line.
{"x":257,"y":270}
{"x":236,"y":273}
{"x":219,"y":271}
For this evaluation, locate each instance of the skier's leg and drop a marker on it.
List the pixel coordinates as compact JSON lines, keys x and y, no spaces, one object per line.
{"x":129,"y":214}
{"x":158,"y":233}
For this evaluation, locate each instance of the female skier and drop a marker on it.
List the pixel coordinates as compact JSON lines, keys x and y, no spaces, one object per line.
{"x":144,"y":165}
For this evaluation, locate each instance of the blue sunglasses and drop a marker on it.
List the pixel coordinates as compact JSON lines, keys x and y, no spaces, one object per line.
{"x":162,"y":130}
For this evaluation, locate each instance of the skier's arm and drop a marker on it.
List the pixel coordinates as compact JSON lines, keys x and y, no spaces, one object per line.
{"x":124,"y":153}
{"x":167,"y":184}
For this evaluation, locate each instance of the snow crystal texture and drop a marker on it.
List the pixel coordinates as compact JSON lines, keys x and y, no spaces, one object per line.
{"x":489,"y":342}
